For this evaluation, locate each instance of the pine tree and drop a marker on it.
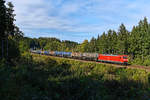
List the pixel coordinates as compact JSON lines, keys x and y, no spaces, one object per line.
{"x":123,"y":44}
{"x":114,"y":42}
{"x":9,"y":47}
{"x":109,"y":42}
{"x":10,"y":20}
{"x":2,"y":20}
{"x":92,"y":45}
{"x":139,"y":39}
{"x":2,"y":26}
{"x":102,"y":43}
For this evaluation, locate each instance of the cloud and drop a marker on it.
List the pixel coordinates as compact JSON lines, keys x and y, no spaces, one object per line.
{"x":77,"y":17}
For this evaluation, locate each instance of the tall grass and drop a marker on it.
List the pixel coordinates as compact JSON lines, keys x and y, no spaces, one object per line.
{"x":39,"y":77}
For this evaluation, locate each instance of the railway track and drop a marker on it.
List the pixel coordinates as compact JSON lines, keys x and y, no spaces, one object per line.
{"x":146,"y":68}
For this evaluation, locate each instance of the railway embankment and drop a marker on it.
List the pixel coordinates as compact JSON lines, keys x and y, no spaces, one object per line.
{"x":40,"y":77}
{"x":78,"y":79}
{"x":146,"y":68}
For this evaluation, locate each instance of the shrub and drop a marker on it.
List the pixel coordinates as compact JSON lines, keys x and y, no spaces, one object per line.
{"x":50,"y":78}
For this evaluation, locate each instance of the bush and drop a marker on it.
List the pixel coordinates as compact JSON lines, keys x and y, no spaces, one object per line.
{"x":145,"y":61}
{"x":49,"y":78}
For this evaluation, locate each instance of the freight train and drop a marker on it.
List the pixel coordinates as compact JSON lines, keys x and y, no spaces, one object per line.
{"x":108,"y":58}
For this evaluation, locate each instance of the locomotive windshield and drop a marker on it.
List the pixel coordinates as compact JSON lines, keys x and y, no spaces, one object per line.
{"x":124,"y":57}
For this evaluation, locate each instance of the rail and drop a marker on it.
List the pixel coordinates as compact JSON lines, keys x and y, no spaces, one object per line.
{"x":146,"y":68}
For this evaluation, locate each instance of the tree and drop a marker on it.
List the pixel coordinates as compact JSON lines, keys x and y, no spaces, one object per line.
{"x":85,"y":46}
{"x":102,"y":43}
{"x":123,"y":44}
{"x":139,"y":39}
{"x":109,"y":42}
{"x":2,"y":26}
{"x":2,"y":19}
{"x":10,"y":20}
{"x":114,"y":42}
{"x":9,"y":46}
{"x":134,"y":48}
{"x":92,"y":45}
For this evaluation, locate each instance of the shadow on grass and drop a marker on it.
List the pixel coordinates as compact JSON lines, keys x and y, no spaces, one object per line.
{"x":52,"y":80}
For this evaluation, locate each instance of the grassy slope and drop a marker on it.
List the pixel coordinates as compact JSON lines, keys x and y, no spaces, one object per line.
{"x":48,"y":78}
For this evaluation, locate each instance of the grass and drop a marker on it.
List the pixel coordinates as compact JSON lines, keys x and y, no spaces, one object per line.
{"x":47,"y":78}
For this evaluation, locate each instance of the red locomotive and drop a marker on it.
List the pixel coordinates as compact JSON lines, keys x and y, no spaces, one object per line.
{"x":122,"y":59}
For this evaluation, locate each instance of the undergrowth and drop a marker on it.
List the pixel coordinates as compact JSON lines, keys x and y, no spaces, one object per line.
{"x":47,"y":78}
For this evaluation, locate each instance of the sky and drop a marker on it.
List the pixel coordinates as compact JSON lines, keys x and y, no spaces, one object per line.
{"x":77,"y":20}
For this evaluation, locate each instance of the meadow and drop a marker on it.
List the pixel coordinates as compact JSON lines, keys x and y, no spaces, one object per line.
{"x":36,"y":77}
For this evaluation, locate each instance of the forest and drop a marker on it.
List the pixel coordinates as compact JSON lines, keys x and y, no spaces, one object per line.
{"x":136,"y":43}
{"x":24,"y":76}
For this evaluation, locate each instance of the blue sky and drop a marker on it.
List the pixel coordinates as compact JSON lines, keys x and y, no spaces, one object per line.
{"x":77,"y":20}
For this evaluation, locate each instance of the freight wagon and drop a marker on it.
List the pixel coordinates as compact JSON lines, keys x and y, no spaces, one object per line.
{"x":90,"y":56}
{"x":58,"y":53}
{"x":46,"y":52}
{"x":38,"y":52}
{"x":51,"y":53}
{"x":76,"y":55}
{"x":67,"y":54}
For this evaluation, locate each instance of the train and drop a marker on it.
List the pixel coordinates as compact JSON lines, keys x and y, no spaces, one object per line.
{"x":106,"y":58}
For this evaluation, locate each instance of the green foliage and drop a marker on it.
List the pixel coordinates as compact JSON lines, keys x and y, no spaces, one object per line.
{"x":92,"y":45}
{"x":46,"y":78}
{"x":135,"y":43}
{"x":25,"y":44}
{"x":146,"y":61}
{"x":13,"y":50}
{"x":84,"y":46}
{"x":43,"y":78}
{"x":91,"y":80}
{"x":9,"y":32}
{"x":52,"y":44}
{"x":141,"y":61}
{"x":2,"y":19}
